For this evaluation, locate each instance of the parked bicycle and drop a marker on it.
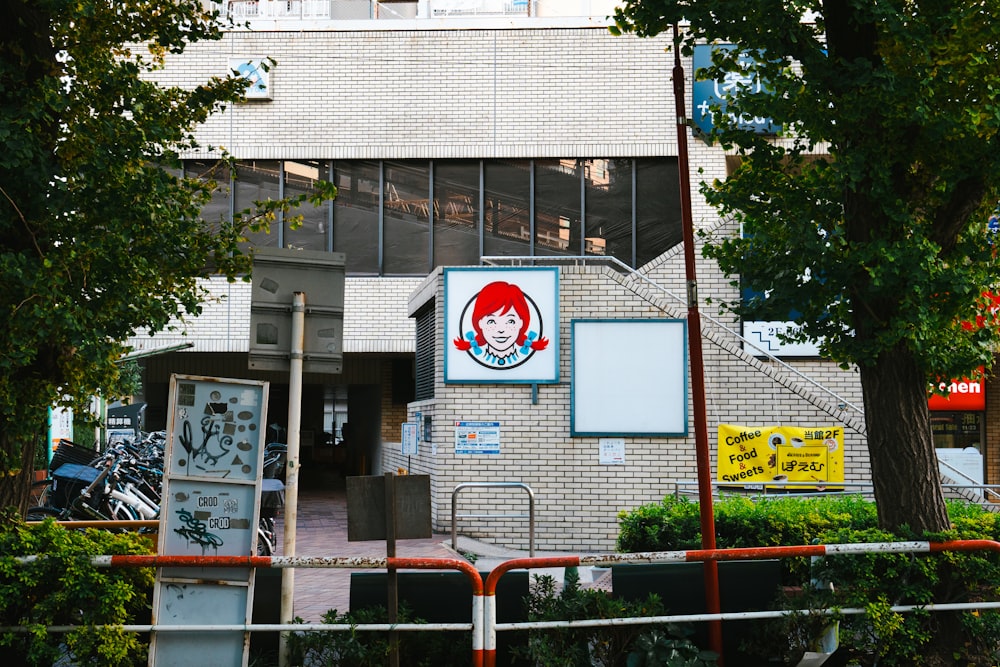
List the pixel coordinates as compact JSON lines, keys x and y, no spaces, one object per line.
{"x":125,"y":483}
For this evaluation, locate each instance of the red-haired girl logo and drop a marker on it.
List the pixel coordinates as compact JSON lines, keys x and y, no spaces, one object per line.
{"x":501,"y":327}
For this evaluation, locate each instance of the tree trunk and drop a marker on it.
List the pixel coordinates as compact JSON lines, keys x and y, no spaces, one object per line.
{"x":900,"y":446}
{"x":17,"y":472}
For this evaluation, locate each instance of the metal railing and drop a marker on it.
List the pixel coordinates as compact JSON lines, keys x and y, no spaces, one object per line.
{"x":368,"y":10}
{"x":963,"y":481}
{"x":491,"y":626}
{"x":987,"y":495}
{"x":284,"y":562}
{"x":484,"y":625}
{"x":504,"y":485}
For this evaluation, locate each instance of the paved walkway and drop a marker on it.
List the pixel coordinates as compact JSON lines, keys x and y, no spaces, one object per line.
{"x":322,"y":531}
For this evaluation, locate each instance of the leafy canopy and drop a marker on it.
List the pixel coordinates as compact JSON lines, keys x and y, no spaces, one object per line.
{"x":868,"y":214}
{"x":99,"y":235}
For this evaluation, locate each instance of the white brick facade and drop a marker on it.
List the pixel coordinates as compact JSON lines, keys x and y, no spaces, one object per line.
{"x":442,"y":94}
{"x":578,"y":499}
{"x":505,"y":93}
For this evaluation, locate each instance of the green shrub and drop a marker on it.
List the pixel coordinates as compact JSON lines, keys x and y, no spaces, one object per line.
{"x":872,"y":582}
{"x":675,"y":524}
{"x":877,"y":582}
{"x":607,"y":645}
{"x":63,"y":588}
{"x":368,"y":648}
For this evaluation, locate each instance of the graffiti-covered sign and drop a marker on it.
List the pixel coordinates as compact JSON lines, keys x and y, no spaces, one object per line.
{"x":216,"y":429}
{"x":210,"y":507}
{"x":501,"y":325}
{"x":770,"y":454}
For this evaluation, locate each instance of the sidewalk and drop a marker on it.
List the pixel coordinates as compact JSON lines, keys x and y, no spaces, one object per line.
{"x":322,"y":532}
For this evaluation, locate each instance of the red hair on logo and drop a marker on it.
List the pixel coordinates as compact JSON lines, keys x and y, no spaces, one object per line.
{"x":500,"y":297}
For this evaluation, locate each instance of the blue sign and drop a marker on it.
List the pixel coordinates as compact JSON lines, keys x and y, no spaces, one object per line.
{"x":409,"y":437}
{"x":710,"y":97}
{"x":477,"y":437}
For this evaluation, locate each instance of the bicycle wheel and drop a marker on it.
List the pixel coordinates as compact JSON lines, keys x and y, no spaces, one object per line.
{"x":40,"y":493}
{"x":264,"y":545}
{"x":121,"y":511}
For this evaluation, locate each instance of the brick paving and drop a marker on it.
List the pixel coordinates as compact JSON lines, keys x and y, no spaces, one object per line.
{"x":322,"y":531}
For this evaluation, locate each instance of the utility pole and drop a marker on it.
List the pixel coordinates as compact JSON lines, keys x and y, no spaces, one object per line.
{"x":712,"y":603}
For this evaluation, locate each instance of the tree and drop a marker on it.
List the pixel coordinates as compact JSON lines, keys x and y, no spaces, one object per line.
{"x":869,"y":215}
{"x":99,"y":236}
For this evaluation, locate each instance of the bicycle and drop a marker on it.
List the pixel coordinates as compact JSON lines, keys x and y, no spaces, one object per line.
{"x":125,"y":484}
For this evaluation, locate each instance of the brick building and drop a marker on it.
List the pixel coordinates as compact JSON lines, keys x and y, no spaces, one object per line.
{"x":463,"y":129}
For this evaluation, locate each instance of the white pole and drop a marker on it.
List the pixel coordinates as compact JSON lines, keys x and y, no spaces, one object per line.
{"x":292,"y":470}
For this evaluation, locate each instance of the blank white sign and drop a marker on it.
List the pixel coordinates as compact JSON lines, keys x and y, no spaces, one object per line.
{"x":629,"y":377}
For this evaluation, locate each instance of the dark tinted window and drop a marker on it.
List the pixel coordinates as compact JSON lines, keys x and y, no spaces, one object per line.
{"x":407,"y":216}
{"x":506,"y":226}
{"x":355,"y":215}
{"x":456,"y":212}
{"x":314,"y":231}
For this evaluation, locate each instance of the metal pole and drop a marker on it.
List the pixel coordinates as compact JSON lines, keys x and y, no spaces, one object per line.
{"x":712,"y":602}
{"x":292,"y":465}
{"x":392,"y":588}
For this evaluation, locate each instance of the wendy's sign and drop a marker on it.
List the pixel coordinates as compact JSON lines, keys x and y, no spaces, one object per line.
{"x":501,"y":325}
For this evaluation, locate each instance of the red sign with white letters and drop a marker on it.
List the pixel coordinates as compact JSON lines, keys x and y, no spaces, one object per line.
{"x":964,"y":394}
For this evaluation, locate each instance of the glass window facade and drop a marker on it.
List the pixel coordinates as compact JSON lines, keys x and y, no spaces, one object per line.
{"x":558,"y":211}
{"x":219,"y":210}
{"x":312,"y":229}
{"x":456,"y":213}
{"x":609,"y":192}
{"x":356,"y":230}
{"x":255,"y":181}
{"x":405,"y":217}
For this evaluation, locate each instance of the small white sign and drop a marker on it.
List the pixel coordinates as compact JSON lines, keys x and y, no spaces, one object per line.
{"x":477,"y":438}
{"x":409,"y":439}
{"x":612,"y":451}
{"x":766,"y":337}
{"x":257,"y":72}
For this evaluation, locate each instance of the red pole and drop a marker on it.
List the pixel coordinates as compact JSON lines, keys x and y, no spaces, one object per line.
{"x":712,"y":603}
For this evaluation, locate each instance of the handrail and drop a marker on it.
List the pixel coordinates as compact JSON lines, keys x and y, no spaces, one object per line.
{"x":634,"y":273}
{"x":283,"y":562}
{"x":484,"y":624}
{"x":520,"y":485}
{"x":984,"y":489}
{"x":688,"y":487}
{"x":326,"y":10}
{"x":701,"y":555}
{"x":110,"y":524}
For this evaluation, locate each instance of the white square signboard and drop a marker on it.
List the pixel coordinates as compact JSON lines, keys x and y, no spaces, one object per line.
{"x":629,"y":377}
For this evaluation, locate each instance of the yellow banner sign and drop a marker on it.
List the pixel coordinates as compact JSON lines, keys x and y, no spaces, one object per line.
{"x":763,"y":454}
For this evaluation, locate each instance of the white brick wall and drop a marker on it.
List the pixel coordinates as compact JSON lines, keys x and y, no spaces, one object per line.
{"x":375,"y":318}
{"x":577,"y":499}
{"x":506,"y":93}
{"x":442,"y":94}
